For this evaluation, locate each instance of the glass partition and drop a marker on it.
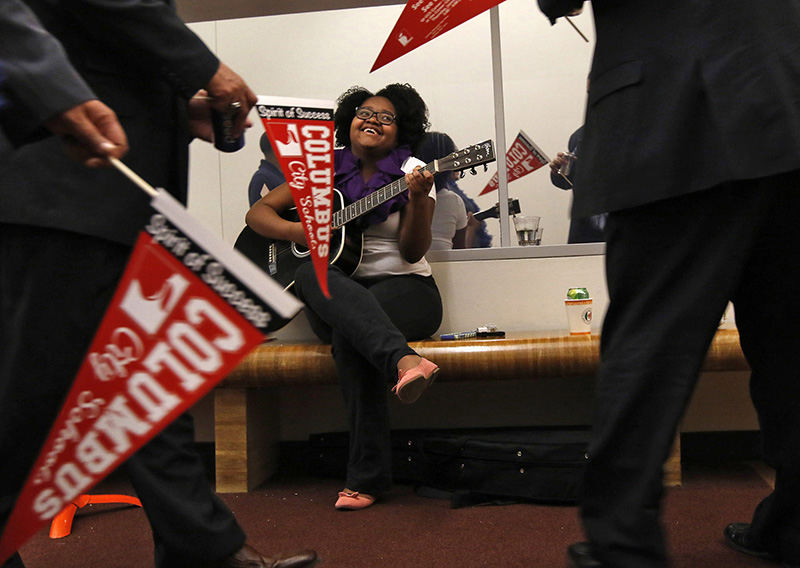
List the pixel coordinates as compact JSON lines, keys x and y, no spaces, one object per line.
{"x":504,"y":72}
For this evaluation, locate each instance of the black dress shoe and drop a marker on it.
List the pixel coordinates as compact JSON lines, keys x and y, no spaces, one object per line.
{"x":737,"y":536}
{"x":579,"y":555}
{"x":249,"y":557}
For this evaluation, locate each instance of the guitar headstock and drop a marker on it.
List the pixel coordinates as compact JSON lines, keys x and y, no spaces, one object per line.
{"x":494,"y":211}
{"x":466,"y":158}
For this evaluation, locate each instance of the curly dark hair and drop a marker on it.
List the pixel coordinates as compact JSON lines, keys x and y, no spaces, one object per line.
{"x":412,"y":112}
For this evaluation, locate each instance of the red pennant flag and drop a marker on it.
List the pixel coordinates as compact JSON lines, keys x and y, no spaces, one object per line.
{"x":301,"y":132}
{"x":186,"y":311}
{"x":522,"y":158}
{"x":423,"y":20}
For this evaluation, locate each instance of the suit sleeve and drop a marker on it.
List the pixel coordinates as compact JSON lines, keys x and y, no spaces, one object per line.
{"x":38,"y":80}
{"x":556,"y":8}
{"x":152,"y":32}
{"x":37,"y":72}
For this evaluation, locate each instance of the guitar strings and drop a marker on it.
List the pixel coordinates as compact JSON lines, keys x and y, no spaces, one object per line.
{"x":365,"y":204}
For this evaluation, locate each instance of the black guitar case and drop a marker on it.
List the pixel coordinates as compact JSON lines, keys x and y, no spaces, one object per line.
{"x":499,"y":465}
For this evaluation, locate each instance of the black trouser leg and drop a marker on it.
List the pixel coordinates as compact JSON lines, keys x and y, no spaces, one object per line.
{"x":671,"y":267}
{"x":768,"y":318}
{"x":368,"y":324}
{"x":191,"y":526}
{"x":54,"y":290}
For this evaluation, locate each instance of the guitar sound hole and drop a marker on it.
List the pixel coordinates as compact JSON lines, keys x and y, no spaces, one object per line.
{"x":300,"y":251}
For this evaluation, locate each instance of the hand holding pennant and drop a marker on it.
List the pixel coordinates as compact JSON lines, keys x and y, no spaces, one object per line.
{"x":185,"y":312}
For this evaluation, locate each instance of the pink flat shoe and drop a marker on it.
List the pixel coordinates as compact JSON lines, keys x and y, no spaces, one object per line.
{"x":412,"y":382}
{"x":353,"y":500}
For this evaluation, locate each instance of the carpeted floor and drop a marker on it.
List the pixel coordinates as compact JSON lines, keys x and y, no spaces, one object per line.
{"x":409,"y":531}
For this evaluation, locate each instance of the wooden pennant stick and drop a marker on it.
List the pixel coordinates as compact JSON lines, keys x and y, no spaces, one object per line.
{"x":131,"y":175}
{"x":571,"y":23}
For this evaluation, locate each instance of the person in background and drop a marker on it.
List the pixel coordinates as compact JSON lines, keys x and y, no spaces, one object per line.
{"x":268,"y":176}
{"x":450,"y":228}
{"x":692,"y":128}
{"x":584,"y":229}
{"x":391,"y":298}
{"x":66,"y":233}
{"x":477,"y":233}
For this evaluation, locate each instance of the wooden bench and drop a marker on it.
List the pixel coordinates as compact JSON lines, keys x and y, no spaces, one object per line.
{"x":246,"y":425}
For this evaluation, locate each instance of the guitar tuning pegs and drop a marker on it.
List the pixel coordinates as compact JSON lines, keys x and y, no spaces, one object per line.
{"x":473,"y":172}
{"x":461,"y":174}
{"x":486,"y":167}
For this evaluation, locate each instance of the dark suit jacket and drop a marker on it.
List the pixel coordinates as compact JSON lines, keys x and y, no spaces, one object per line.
{"x":143,"y":62}
{"x":685,"y":95}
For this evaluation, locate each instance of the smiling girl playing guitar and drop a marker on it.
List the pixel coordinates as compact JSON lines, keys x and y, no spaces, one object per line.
{"x":391,"y":298}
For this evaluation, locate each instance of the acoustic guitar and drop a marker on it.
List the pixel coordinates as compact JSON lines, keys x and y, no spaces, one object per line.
{"x":281,"y":259}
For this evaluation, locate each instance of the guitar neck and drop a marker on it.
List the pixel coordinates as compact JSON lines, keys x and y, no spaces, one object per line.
{"x":493,"y":212}
{"x":371,"y":201}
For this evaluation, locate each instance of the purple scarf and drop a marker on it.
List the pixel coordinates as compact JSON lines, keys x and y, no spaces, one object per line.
{"x":348,"y":180}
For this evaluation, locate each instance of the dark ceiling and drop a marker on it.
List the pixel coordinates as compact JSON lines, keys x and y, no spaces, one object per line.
{"x":208,"y":10}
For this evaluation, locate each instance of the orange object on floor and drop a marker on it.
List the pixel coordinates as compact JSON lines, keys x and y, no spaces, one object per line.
{"x":62,"y":522}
